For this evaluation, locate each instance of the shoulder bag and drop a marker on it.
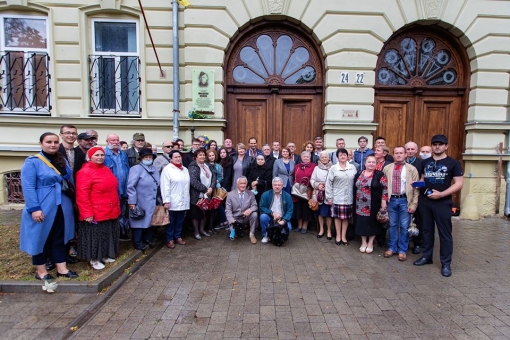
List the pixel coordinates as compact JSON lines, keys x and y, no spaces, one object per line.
{"x":67,"y":186}
{"x":301,"y":190}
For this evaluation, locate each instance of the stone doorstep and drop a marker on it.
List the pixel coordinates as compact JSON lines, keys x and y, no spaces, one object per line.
{"x":80,"y":287}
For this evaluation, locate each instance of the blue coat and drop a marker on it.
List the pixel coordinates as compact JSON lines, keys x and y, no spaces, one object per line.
{"x":142,"y":191}
{"x":42,"y":191}
{"x":121,"y":172}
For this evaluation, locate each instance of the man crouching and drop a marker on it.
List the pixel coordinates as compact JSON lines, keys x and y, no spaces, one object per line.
{"x":275,"y":205}
{"x":241,"y":207}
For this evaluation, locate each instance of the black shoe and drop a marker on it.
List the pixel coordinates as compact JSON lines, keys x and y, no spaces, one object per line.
{"x":72,"y":260}
{"x":143,"y":247}
{"x":45,"y":277}
{"x":422,"y":261}
{"x":338,"y":243}
{"x":124,"y":237}
{"x":150,"y":244}
{"x":328,"y":238}
{"x":70,"y":274}
{"x":381,"y":244}
{"x":50,"y":265}
{"x":416,"y":250}
{"x":320,"y":235}
{"x":446,"y":271}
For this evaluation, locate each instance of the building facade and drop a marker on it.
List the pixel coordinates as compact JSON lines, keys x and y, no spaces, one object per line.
{"x":285,"y":70}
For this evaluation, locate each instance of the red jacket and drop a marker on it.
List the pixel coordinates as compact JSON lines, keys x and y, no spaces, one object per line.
{"x":97,"y":193}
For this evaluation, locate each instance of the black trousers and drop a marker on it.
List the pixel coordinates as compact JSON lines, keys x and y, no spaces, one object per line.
{"x":141,"y":236}
{"x":438,"y":213}
{"x":54,"y":248}
{"x":418,"y":240}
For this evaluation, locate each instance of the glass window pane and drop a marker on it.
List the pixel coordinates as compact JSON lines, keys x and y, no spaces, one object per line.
{"x":266,"y":50}
{"x":303,"y":76}
{"x":115,"y":37}
{"x":296,"y":61}
{"x":25,"y":32}
{"x":252,"y":59}
{"x":247,"y":76}
{"x":283,"y":46}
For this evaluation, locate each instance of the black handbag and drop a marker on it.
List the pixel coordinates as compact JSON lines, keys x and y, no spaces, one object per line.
{"x":68,"y":189}
{"x":137,"y":213}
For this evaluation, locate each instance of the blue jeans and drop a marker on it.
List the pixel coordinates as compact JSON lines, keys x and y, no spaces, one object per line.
{"x":264,"y":222}
{"x":174,"y":229}
{"x":399,"y":223}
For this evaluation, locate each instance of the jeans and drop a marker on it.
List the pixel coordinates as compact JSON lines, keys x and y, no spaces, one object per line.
{"x":174,"y":229}
{"x":398,"y":241}
{"x":264,"y":222}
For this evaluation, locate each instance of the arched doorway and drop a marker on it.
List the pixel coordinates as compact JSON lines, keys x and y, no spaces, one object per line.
{"x":422,"y":78}
{"x":274,"y":85}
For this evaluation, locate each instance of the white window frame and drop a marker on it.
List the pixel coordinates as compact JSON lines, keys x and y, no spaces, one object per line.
{"x":117,"y":56}
{"x":27,"y":52}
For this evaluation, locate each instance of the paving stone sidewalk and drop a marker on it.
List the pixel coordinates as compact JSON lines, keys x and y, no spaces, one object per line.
{"x":308,"y":289}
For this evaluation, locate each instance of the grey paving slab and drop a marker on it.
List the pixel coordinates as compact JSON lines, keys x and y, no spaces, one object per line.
{"x":307,"y":289}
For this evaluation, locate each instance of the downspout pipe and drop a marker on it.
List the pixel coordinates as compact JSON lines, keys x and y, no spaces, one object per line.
{"x":177,"y":84}
{"x":507,"y":196}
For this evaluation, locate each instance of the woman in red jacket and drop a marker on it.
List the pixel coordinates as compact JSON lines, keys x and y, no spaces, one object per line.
{"x":99,"y":208}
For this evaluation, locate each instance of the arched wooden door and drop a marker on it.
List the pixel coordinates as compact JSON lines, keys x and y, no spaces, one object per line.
{"x":421,"y":89}
{"x":274,"y":85}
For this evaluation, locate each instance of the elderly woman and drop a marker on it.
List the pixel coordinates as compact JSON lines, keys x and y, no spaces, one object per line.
{"x":318,"y":183}
{"x":202,"y":183}
{"x":174,"y":183}
{"x":142,"y":190}
{"x":259,"y":177}
{"x":310,"y":147}
{"x":47,"y":221}
{"x":339,"y":194}
{"x":284,"y":168}
{"x":99,"y":208}
{"x":241,"y":163}
{"x":370,"y":195}
{"x":302,"y":174}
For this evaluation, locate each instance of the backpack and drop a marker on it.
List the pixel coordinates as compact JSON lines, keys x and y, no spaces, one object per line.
{"x":278,"y":234}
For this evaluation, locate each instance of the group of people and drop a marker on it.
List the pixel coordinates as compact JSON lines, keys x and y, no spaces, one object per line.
{"x":262,"y":184}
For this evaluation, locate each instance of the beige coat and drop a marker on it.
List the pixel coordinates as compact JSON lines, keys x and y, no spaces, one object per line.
{"x":411,"y":176}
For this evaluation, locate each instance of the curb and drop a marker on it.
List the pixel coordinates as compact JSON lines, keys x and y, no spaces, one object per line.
{"x":86,"y":287}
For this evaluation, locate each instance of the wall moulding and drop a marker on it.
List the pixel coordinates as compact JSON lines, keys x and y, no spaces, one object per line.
{"x":110,"y":4}
{"x":23,"y":3}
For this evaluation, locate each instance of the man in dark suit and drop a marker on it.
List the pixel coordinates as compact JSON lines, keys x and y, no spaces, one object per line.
{"x":241,"y":207}
{"x":292,"y":148}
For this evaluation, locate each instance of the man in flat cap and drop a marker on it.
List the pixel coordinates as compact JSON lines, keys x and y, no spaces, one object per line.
{"x":85,"y":142}
{"x":138,"y":144}
{"x":443,"y":177}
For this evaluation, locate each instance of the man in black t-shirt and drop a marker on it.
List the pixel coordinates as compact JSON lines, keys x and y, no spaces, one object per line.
{"x":439,"y":171}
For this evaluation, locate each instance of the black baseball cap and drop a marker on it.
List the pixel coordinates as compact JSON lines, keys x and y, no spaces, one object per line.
{"x":439,"y":139}
{"x":84,"y":135}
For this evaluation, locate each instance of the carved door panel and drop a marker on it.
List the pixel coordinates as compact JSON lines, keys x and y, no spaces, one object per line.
{"x":298,"y":123}
{"x":392,"y":114}
{"x":248,"y":118}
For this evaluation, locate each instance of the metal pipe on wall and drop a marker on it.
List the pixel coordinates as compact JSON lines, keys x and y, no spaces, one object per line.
{"x":177,"y":84}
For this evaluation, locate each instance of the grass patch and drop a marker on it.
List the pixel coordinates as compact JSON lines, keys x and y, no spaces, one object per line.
{"x":17,"y":265}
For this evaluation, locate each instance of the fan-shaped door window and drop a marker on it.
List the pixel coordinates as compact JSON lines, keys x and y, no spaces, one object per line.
{"x":417,"y":61}
{"x":274,"y":60}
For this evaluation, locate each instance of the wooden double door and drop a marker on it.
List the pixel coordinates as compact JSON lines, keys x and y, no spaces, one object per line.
{"x":274,"y":117}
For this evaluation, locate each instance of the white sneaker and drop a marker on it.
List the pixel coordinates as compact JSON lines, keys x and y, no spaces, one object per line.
{"x":96,"y":265}
{"x":264,"y":240}
{"x":107,"y":260}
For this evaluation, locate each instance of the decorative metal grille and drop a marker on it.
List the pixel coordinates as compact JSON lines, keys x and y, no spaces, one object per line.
{"x":25,"y":82}
{"x":13,"y":184}
{"x":114,"y":85}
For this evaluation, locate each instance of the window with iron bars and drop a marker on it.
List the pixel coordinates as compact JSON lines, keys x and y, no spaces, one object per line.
{"x":114,"y":68}
{"x":24,"y":65}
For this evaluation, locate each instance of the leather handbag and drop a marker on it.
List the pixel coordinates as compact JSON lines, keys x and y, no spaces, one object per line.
{"x":382,"y":216}
{"x":221,"y":193}
{"x":137,"y":213}
{"x":160,"y":217}
{"x":301,"y":190}
{"x":203,"y":204}
{"x":320,"y":196}
{"x":313,"y":204}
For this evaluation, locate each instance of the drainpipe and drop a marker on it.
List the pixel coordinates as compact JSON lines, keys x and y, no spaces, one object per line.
{"x":177,"y":89}
{"x":507,"y":197}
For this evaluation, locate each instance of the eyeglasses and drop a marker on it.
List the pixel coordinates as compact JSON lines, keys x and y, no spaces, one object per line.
{"x":167,"y":146}
{"x":67,"y":133}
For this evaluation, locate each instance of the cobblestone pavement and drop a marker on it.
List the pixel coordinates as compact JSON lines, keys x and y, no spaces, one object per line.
{"x":308,"y":289}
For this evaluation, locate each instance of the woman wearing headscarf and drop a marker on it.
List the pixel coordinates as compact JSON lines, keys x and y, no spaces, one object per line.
{"x":259,"y":176}
{"x":99,"y":209}
{"x":47,"y":221}
{"x":202,"y":183}
{"x":339,"y":194}
{"x":142,"y":190}
{"x":302,"y":174}
{"x":318,"y":182}
{"x":175,"y":182}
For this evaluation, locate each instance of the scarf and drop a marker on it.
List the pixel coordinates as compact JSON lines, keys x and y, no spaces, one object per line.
{"x":326,"y":166}
{"x":178,"y":166}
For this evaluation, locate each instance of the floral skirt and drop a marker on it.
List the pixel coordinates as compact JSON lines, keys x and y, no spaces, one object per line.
{"x":97,"y":241}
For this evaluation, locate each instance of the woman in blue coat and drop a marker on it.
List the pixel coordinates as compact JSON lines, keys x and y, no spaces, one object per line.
{"x":142,"y":189}
{"x":47,"y":221}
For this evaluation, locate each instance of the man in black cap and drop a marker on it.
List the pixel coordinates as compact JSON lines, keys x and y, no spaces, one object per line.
{"x":138,"y":144}
{"x":439,"y":171}
{"x":85,"y":142}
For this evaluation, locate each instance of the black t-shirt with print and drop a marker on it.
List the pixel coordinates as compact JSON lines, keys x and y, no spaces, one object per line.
{"x":439,"y":174}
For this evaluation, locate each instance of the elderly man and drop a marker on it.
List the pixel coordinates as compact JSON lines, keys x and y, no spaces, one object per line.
{"x":241,"y":207}
{"x":340,"y":144}
{"x":411,"y":150}
{"x":275,"y":205}
{"x":85,"y":142}
{"x":268,"y":155}
{"x":118,"y":163}
{"x":94,"y":134}
{"x":163,"y":160}
{"x":227,"y":144}
{"x":425,"y":152}
{"x":292,"y":147}
{"x":138,"y":144}
{"x":350,"y":157}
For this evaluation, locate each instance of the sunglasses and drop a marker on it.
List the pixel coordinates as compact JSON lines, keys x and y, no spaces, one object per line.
{"x":167,"y":146}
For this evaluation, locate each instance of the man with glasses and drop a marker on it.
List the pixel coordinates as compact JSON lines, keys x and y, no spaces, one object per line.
{"x":292,"y":147}
{"x":68,"y":135}
{"x":163,"y":160}
{"x":435,"y":204}
{"x":138,"y":144}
